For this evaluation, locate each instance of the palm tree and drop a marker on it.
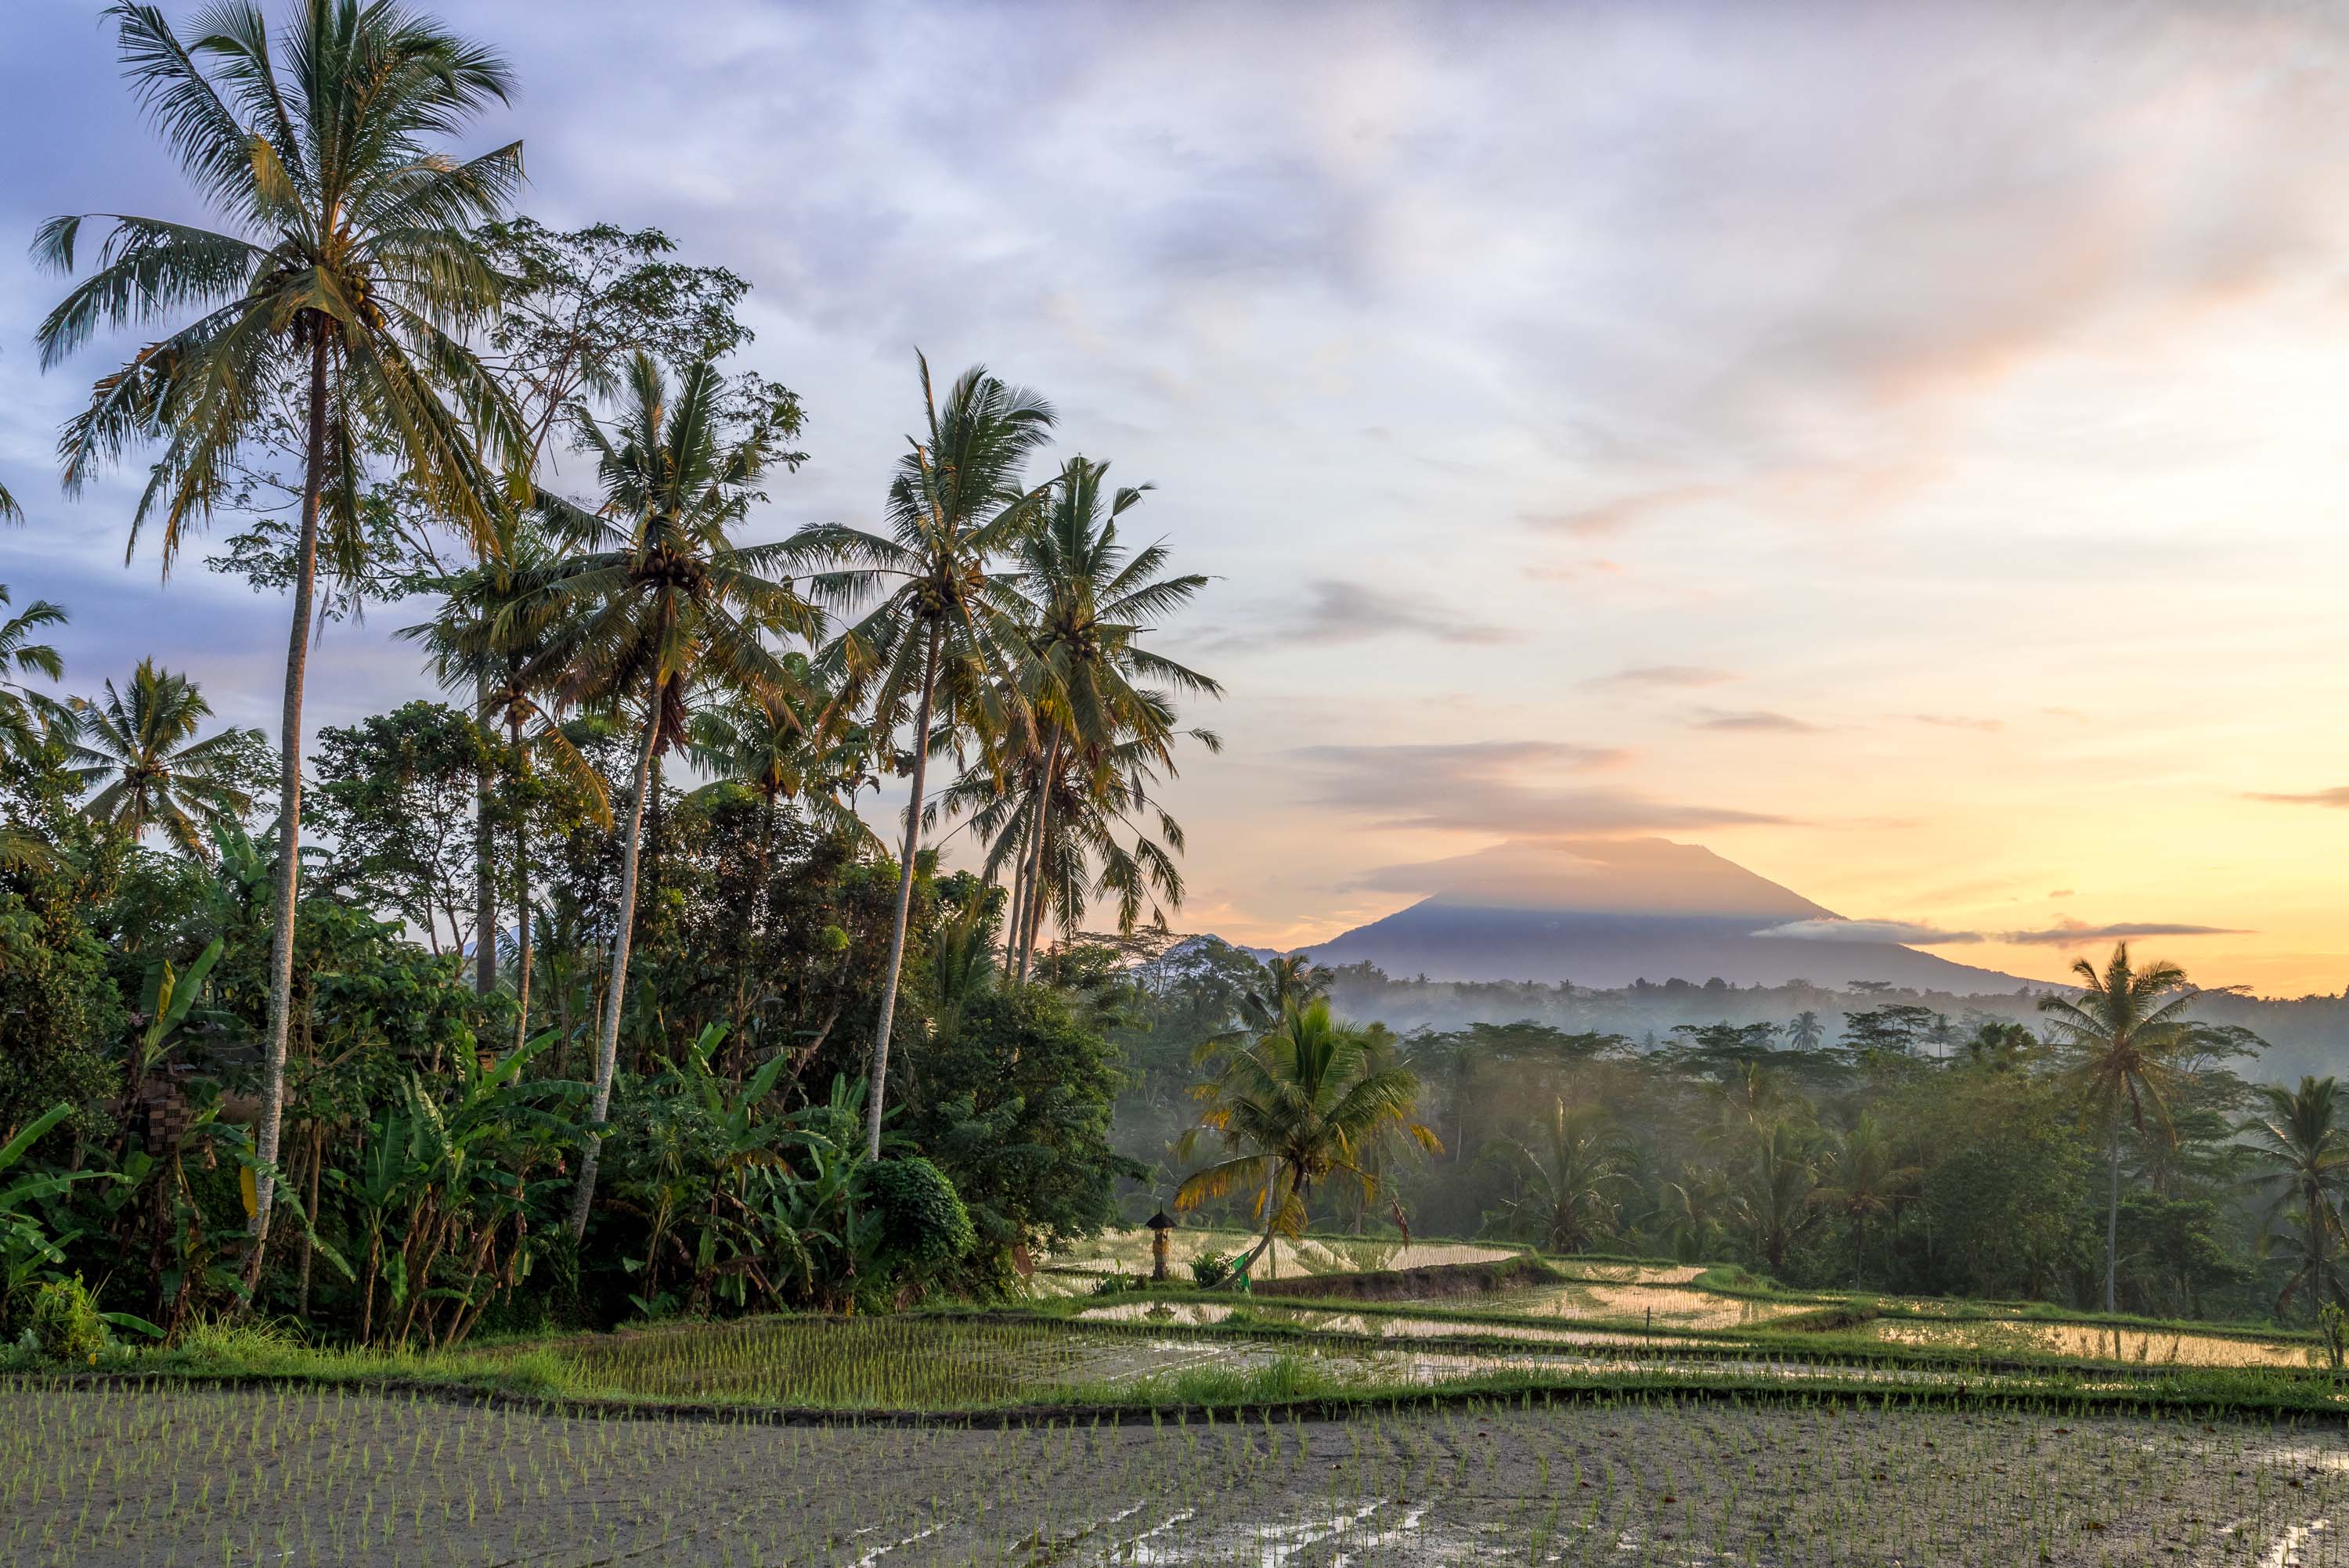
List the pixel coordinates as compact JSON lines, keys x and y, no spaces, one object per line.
{"x":1863,"y":1180}
{"x":28,"y":718}
{"x":347,"y":282}
{"x":668,"y":610}
{"x":1774,"y":1200}
{"x":1806,"y":1032}
{"x":1091,"y":600}
{"x":1311,"y":1101}
{"x":2299,"y":1137}
{"x":490,"y":640}
{"x":944,"y":629}
{"x":1572,"y":1181}
{"x":138,"y":750}
{"x":2123,"y":1034}
{"x":763,"y":745}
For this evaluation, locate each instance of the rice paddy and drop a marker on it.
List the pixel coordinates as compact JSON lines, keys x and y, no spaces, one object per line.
{"x":1200,"y":1429}
{"x":161,"y":1476}
{"x":2101,"y":1342}
{"x":1128,"y":1252}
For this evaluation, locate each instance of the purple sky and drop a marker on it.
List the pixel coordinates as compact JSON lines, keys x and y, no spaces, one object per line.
{"x":1896,"y":444}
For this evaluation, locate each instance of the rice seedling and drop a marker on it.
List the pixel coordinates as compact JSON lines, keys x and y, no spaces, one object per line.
{"x":170,"y":1473}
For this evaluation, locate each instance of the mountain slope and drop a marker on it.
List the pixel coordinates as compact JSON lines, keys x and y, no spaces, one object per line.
{"x":1606,"y":913}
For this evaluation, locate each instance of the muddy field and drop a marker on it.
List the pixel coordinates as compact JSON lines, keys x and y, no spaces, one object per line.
{"x":198,"y":1478}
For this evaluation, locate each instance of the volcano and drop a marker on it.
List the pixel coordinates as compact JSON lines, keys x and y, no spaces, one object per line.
{"x":1606,"y":913}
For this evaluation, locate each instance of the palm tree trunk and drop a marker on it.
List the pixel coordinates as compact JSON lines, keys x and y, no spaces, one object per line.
{"x":1016,"y":927}
{"x":1036,"y":874}
{"x":522,"y":896}
{"x":607,"y":1044}
{"x":879,"y":1087}
{"x":289,"y":818}
{"x":2113,"y":1222}
{"x":485,"y":862}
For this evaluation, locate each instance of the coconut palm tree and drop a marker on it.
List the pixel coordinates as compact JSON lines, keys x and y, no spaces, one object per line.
{"x":28,"y":718}
{"x":1806,"y":1031}
{"x":935,"y":629}
{"x":1092,"y":685}
{"x":1573,"y":1180}
{"x":1863,"y":1179}
{"x":765,"y":746}
{"x":344,"y":282}
{"x":490,"y":641}
{"x":2123,"y":1034}
{"x":2298,"y":1136}
{"x":1312,"y":1101}
{"x":138,"y":751}
{"x":667,"y":609}
{"x":1062,"y":829}
{"x":1775,"y":1188}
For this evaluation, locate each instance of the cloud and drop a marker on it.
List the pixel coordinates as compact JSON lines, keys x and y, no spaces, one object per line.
{"x":1909,"y":932}
{"x":2065,"y":934}
{"x":1337,"y":611}
{"x":2337,"y":797}
{"x":1499,"y":787}
{"x":1751,"y":719}
{"x":1614,"y":516}
{"x":1674,"y":677}
{"x":1916,"y":933}
{"x":1959,"y":721}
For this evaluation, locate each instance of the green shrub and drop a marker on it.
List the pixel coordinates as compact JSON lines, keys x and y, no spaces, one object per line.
{"x":65,"y":1326}
{"x":924,"y":1226}
{"x":1210,"y":1269}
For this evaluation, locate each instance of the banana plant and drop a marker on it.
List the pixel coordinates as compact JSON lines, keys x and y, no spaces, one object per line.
{"x":27,"y":1251}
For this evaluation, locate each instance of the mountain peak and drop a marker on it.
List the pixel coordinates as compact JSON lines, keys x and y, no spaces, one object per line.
{"x":1606,"y":912}
{"x":1611,"y":876}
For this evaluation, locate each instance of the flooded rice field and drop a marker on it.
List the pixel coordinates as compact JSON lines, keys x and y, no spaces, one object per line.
{"x":162,"y":1476}
{"x":1128,"y":1252}
{"x":2098,"y":1342}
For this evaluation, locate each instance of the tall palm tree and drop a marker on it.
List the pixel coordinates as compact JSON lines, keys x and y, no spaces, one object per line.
{"x":2124,"y":1035}
{"x":1063,"y":828}
{"x":1573,"y":1180}
{"x":1806,"y":1031}
{"x":668,"y":609}
{"x":1312,"y":1101}
{"x":936,"y":627}
{"x":1093,"y":687}
{"x":345,"y":280}
{"x":489,"y":641}
{"x":2298,"y":1136}
{"x":1863,"y":1180}
{"x":138,"y":750}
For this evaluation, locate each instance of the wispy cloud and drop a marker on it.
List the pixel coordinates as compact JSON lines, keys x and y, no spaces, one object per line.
{"x":1908,"y":933}
{"x":1756,"y":719}
{"x":1665,"y":677}
{"x":1918,"y":934}
{"x":1959,"y":721}
{"x":2337,"y":797}
{"x":1501,"y":787}
{"x":2067,"y":934}
{"x":1339,"y":611}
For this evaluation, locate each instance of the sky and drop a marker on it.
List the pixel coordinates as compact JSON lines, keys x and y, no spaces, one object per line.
{"x":1898,"y":447}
